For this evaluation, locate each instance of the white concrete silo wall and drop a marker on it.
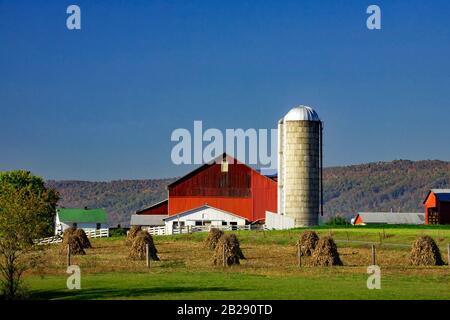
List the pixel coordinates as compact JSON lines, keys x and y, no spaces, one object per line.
{"x":280,"y":196}
{"x":300,"y":171}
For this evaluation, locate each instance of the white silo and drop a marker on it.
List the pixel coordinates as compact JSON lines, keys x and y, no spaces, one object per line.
{"x":300,"y":166}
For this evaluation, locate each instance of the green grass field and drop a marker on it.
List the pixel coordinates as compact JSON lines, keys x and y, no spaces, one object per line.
{"x":269,"y":272}
{"x":226,"y":285}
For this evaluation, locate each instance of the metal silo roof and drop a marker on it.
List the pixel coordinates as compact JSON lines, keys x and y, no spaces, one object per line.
{"x":302,"y":113}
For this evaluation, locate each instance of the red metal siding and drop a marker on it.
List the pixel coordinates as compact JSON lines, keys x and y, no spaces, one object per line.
{"x":264,"y":192}
{"x":159,"y":208}
{"x":239,"y":206}
{"x":229,"y":191}
{"x":431,"y":202}
{"x":212,"y":182}
{"x":241,"y":191}
{"x":358,"y":220}
{"x":442,"y":207}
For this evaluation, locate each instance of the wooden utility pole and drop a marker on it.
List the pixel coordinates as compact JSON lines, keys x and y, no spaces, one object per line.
{"x":68,"y":255}
{"x":299,"y":255}
{"x":147,"y":255}
{"x":374,"y":260}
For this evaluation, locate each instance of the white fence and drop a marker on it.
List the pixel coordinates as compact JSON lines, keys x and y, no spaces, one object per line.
{"x":100,"y":233}
{"x":157,"y":231}
{"x":161,"y":231}
{"x":49,"y":240}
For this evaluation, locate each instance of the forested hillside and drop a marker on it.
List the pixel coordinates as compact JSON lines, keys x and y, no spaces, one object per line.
{"x":120,"y":198}
{"x":398,"y":185}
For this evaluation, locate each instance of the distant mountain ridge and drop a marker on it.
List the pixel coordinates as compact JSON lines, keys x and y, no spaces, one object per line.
{"x":120,"y":198}
{"x":399,"y":185}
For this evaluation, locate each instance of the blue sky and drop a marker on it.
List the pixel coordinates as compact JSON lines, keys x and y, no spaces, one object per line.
{"x":101,"y":103}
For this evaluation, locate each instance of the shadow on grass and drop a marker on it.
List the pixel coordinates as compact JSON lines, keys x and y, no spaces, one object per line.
{"x":110,"y":293}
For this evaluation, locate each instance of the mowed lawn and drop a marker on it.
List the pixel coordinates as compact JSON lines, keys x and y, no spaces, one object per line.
{"x":269,"y":272}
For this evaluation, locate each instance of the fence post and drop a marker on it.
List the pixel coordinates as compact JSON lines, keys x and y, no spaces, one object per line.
{"x":223,"y":256}
{"x":147,"y":254}
{"x":448,"y":254}
{"x":299,"y":255}
{"x":68,"y":255}
{"x":374,"y":260}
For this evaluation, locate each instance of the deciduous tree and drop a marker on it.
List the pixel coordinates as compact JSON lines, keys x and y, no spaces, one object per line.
{"x":26,"y":213}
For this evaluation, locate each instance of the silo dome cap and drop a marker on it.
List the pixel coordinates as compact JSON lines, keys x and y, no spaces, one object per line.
{"x":302,"y":113}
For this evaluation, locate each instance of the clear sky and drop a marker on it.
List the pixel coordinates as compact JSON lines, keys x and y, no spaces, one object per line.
{"x":100,"y":103}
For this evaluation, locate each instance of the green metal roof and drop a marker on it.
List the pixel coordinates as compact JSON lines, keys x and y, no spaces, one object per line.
{"x":83,"y":215}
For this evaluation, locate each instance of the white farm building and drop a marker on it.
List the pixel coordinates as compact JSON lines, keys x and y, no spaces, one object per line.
{"x":204,"y":216}
{"x":86,"y":219}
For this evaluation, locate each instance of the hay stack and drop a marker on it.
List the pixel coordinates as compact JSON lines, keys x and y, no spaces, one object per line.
{"x":132,"y":233}
{"x":66,"y":235}
{"x":234,"y":239}
{"x":228,"y":247}
{"x":138,"y":248}
{"x":325,"y":253}
{"x":308,"y":241}
{"x":425,"y":252}
{"x":68,"y":232}
{"x":85,"y":243}
{"x":213,"y":238}
{"x":74,"y":243}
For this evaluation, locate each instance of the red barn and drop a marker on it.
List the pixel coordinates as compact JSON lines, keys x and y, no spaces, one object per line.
{"x":230,"y":186}
{"x":437,"y":206}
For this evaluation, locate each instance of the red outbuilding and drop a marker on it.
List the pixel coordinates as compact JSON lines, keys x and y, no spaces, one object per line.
{"x":230,"y":185}
{"x":437,"y":206}
{"x":159,"y":208}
